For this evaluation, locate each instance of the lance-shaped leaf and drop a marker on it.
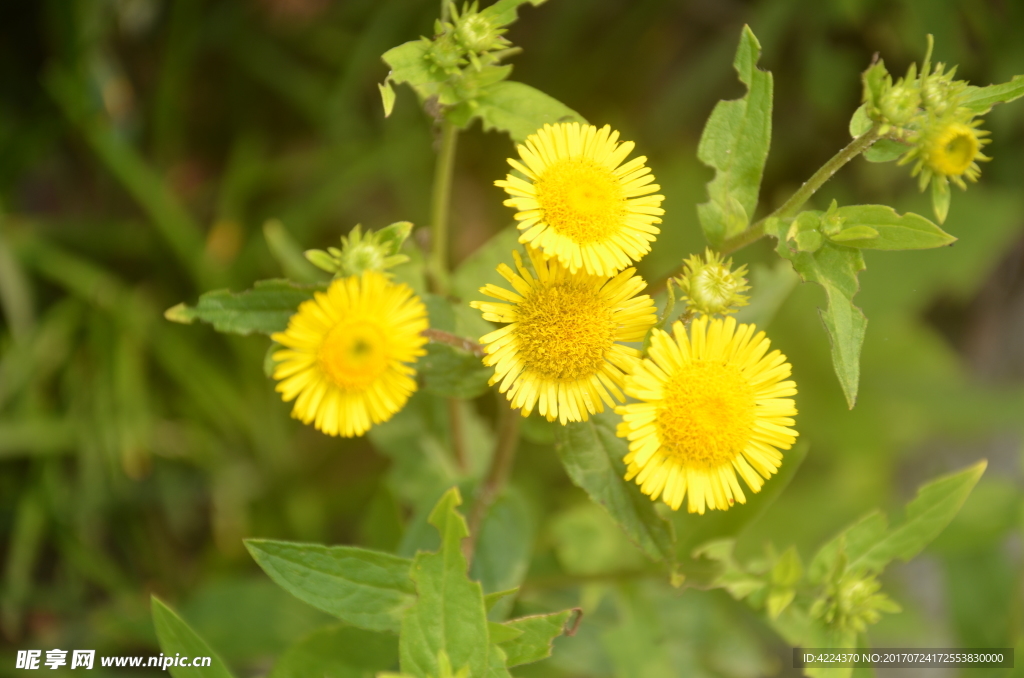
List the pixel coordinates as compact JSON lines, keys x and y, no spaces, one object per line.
{"x":365,"y":588}
{"x":878,"y":227}
{"x":870,"y":544}
{"x":735,"y":143}
{"x":533,"y":636}
{"x":177,"y":637}
{"x":449,"y":612}
{"x":835,"y":268}
{"x":592,"y":455}
{"x":265,"y":308}
{"x":520,"y":110}
{"x":980,"y":99}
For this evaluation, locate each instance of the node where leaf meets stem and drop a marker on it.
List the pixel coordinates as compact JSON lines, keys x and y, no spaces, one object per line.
{"x":803,"y":194}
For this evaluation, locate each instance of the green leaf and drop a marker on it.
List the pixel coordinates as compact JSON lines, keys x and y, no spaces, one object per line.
{"x":535,"y":635}
{"x":409,"y":64}
{"x":869,"y":544}
{"x":835,"y":268}
{"x":453,"y":373}
{"x":480,"y":267}
{"x":735,"y":143}
{"x":592,"y":455}
{"x":492,"y":599}
{"x":888,"y":229}
{"x":387,"y":97}
{"x":338,"y":651}
{"x":520,"y":110}
{"x":449,"y":610}
{"x":368,"y":589}
{"x":980,"y":99}
{"x":503,"y":12}
{"x":177,"y":637}
{"x":860,"y":122}
{"x":941,"y":196}
{"x":885,"y":150}
{"x":503,"y":549}
{"x":265,"y":308}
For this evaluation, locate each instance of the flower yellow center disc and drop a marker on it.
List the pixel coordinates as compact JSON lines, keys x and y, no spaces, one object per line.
{"x":564,"y":330}
{"x":353,"y":355}
{"x":581,"y":200}
{"x":956,"y":150}
{"x":707,"y":413}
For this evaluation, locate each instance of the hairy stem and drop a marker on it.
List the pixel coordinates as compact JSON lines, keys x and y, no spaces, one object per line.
{"x":439,"y":207}
{"x":442,"y":337}
{"x":497,"y":473}
{"x":804,"y":193}
{"x":789,"y":208}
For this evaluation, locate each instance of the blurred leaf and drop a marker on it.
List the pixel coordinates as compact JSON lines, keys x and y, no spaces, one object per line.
{"x":26,"y":540}
{"x":588,"y":542}
{"x":637,"y":645}
{"x":365,"y":588}
{"x":288,"y":253}
{"x":735,"y":143}
{"x":265,"y":308}
{"x":835,"y":268}
{"x":520,"y":110}
{"x":338,"y":651}
{"x":453,"y":373}
{"x":480,"y":267}
{"x":36,"y":435}
{"x":448,"y":614}
{"x":592,"y":455}
{"x":177,"y":637}
{"x":533,"y":642}
{"x":492,"y":599}
{"x":891,"y":230}
{"x":771,"y":285}
{"x":885,"y":150}
{"x":502,"y":552}
{"x":980,"y":99}
{"x":870,"y":543}
{"x":15,"y":291}
{"x":503,"y":12}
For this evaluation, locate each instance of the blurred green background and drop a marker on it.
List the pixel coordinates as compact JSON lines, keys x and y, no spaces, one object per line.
{"x":145,"y":143}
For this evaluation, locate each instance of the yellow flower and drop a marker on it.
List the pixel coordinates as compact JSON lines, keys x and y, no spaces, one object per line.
{"x":560,"y":348}
{"x":949,"y":150}
{"x":345,"y":364}
{"x":712,"y":405}
{"x":579,"y":202}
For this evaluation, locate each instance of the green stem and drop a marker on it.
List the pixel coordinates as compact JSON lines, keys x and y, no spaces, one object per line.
{"x":497,"y":473}
{"x":804,"y":193}
{"x":439,"y":207}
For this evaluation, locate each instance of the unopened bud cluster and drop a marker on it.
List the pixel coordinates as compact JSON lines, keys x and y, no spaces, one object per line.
{"x":852,"y":602}
{"x":925,"y":111}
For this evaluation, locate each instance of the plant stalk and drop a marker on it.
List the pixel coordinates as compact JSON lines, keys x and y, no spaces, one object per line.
{"x":497,"y":473}
{"x":440,"y":206}
{"x":804,"y":193}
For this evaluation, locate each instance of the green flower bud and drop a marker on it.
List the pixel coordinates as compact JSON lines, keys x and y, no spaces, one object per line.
{"x":372,"y":251}
{"x":852,"y":602}
{"x":899,"y":105}
{"x":710,"y":285}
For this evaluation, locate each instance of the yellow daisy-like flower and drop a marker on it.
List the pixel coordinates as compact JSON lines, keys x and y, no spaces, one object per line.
{"x":560,"y":350}
{"x":580,"y":203}
{"x":949,"y":150}
{"x":348,"y":349}
{"x":712,"y":405}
